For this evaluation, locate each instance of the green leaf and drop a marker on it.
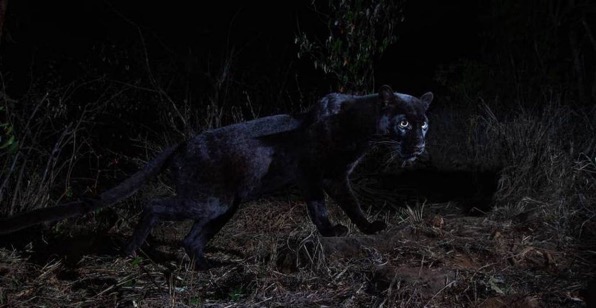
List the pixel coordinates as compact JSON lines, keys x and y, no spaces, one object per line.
{"x":136,"y":261}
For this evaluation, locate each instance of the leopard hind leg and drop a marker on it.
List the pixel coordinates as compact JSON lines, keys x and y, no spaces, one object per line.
{"x":206,"y":228}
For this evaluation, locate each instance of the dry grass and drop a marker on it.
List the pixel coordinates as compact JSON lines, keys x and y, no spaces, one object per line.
{"x":47,"y":150}
{"x":270,"y":256}
{"x":545,"y":157}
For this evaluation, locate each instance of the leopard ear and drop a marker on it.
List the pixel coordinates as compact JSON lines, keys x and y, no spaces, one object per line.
{"x":386,"y":95}
{"x":426,"y":99}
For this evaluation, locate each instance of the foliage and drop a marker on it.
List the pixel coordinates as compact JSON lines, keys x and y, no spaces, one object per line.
{"x":359,"y":31}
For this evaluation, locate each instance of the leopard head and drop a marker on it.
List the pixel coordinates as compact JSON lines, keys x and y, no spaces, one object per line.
{"x":403,"y":123}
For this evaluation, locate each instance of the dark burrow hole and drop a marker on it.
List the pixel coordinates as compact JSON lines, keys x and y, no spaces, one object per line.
{"x":471,"y":190}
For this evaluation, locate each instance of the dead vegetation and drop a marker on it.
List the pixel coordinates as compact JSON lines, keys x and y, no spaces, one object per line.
{"x":271,"y":256}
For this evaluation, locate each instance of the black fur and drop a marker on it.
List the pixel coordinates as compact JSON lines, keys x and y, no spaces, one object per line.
{"x":217,"y":170}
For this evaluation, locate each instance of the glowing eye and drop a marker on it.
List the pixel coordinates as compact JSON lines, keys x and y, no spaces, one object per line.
{"x":425,"y":125}
{"x":404,"y":124}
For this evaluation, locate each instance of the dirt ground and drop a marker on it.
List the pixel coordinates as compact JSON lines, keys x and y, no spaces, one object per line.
{"x":269,"y":255}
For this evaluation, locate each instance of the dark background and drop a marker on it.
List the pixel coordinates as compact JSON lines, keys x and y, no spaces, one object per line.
{"x":189,"y":35}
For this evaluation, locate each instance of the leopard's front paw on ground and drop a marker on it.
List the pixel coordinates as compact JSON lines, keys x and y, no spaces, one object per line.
{"x":340,"y":230}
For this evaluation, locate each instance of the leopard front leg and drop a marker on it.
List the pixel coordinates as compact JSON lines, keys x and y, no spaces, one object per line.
{"x":341,"y":191}
{"x":317,"y":209}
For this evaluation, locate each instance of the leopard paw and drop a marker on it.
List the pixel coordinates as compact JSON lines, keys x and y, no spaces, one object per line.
{"x":340,"y":230}
{"x":337,"y":230}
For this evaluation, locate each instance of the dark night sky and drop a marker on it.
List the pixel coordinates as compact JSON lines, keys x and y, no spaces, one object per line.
{"x":434,"y":32}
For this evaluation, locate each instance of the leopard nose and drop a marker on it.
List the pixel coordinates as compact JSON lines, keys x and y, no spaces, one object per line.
{"x":419,"y":149}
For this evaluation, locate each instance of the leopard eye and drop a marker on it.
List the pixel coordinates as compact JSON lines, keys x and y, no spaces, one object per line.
{"x":404,"y":124}
{"x":425,"y":125}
